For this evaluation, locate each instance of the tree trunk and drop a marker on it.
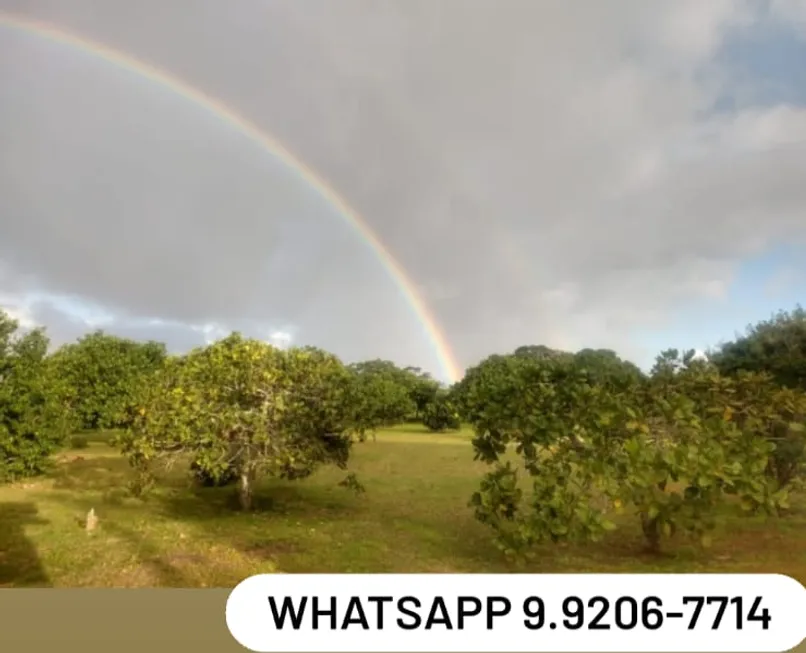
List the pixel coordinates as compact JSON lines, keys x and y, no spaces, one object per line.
{"x":651,"y":532}
{"x":245,"y":489}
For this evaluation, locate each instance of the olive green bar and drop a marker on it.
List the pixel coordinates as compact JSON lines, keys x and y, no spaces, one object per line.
{"x":119,"y":620}
{"x":115,"y":620}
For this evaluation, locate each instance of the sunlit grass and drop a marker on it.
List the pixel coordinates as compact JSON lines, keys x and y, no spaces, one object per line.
{"x":413,"y":518}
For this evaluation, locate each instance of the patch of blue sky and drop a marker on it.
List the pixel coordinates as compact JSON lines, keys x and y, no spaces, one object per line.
{"x":763,"y":285}
{"x":765,"y":66}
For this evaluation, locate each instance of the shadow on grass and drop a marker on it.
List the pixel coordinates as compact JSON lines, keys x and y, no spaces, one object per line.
{"x":155,"y":561}
{"x":177,"y":497}
{"x":101,"y":483}
{"x":271,"y":498}
{"x":20,"y":565}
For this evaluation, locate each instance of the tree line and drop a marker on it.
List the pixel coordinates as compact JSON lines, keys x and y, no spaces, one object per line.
{"x":239,"y":407}
{"x":592,"y":434}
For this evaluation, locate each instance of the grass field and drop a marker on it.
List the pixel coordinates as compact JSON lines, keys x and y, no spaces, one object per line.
{"x":413,"y":518}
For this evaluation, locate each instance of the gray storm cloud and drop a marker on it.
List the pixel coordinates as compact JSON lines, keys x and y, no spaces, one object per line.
{"x":544,"y":174}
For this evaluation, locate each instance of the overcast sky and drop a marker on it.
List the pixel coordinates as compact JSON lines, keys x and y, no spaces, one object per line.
{"x":627,"y":174}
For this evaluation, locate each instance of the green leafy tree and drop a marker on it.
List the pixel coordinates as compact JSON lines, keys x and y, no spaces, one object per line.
{"x":683,"y":460}
{"x":423,"y":390}
{"x":106,"y":374}
{"x":243,"y":406}
{"x":754,"y":401}
{"x":776,"y":346}
{"x":385,"y":392}
{"x":606,"y":367}
{"x":541,"y":352}
{"x":34,"y":421}
{"x":497,"y":376}
{"x":440,"y":414}
{"x":591,"y":449}
{"x":555,"y":420}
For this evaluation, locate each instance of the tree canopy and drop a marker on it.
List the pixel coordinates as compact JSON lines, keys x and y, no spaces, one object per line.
{"x":593,"y":435}
{"x":776,"y":346}
{"x":105,"y":373}
{"x":243,"y":405}
{"x":391,"y":394}
{"x":34,"y":415}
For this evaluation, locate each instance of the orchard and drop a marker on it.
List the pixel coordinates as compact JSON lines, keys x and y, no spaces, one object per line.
{"x":567,"y":449}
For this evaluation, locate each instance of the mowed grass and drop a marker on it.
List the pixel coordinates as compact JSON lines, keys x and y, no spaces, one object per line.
{"x":413,"y":518}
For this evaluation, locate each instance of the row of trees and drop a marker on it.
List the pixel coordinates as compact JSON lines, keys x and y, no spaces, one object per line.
{"x":237,"y":408}
{"x":592,"y":433}
{"x":677,"y":447}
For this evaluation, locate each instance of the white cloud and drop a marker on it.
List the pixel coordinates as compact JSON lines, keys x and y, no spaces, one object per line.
{"x":280,"y":339}
{"x":790,"y":11}
{"x":17,"y":309}
{"x":546,"y":175}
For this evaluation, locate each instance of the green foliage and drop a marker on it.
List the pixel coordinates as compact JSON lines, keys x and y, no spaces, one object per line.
{"x":106,"y":374}
{"x":497,"y":377}
{"x":604,"y":367}
{"x":440,"y":413}
{"x":34,"y":421}
{"x":594,"y":436}
{"x":391,"y":395}
{"x":422,"y":390}
{"x":753,"y":401}
{"x":598,"y":440}
{"x":776,"y":346}
{"x":678,"y":470}
{"x":243,"y":407}
{"x":222,"y":478}
{"x":541,"y":352}
{"x":383,"y":401}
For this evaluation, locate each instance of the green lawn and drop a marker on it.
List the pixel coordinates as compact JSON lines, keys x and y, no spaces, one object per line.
{"x":413,"y":518}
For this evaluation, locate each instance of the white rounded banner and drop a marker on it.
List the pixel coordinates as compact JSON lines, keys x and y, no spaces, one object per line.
{"x":492,"y":613}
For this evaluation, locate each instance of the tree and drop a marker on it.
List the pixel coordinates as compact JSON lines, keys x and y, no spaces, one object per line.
{"x":422,"y":390}
{"x":541,"y":352}
{"x":705,"y":440}
{"x":753,"y":400}
{"x":385,"y":392}
{"x":106,"y":373}
{"x":605,"y":367}
{"x":441,"y":413}
{"x":776,"y":346}
{"x":242,"y":405}
{"x":34,"y":421}
{"x":540,"y":407}
{"x":591,"y":449}
{"x":497,"y":376}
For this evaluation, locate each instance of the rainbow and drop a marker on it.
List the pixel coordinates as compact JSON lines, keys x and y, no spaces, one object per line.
{"x":227,"y":115}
